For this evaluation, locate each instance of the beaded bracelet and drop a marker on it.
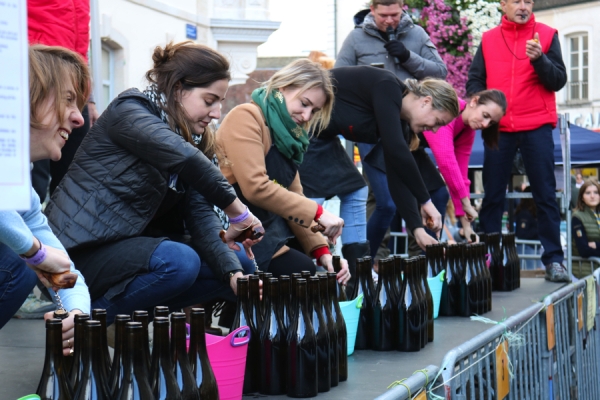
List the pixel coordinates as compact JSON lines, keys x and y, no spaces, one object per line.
{"x":240,"y":218}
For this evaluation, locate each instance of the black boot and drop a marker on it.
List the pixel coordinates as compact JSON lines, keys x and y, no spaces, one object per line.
{"x":351,"y":252}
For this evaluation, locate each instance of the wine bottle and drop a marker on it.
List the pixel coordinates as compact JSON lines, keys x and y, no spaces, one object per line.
{"x":78,"y":339}
{"x":479,"y":278}
{"x":409,"y":318}
{"x":198,"y":355}
{"x":384,"y":307}
{"x":468,"y":286}
{"x":340,"y":327}
{"x":117,"y":370}
{"x":179,"y":357}
{"x":427,"y":272}
{"x":252,"y":375}
{"x":333,"y":339}
{"x":54,"y":384}
{"x":162,"y":378}
{"x":142,"y":316}
{"x":507,"y":264}
{"x":242,"y":313}
{"x":365,"y":320}
{"x":284,"y":306}
{"x":321,"y":334}
{"x":305,"y":275}
{"x":99,"y":314}
{"x":450,"y":286}
{"x":135,"y":384}
{"x":94,"y":381}
{"x":272,"y":340}
{"x":496,"y":268}
{"x":398,"y":270}
{"x":293,"y":305}
{"x":514,"y":262}
{"x":337,"y":267}
{"x":302,"y":349}
{"x":421,"y":265}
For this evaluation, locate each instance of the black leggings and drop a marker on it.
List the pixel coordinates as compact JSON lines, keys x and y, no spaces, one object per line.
{"x":290,"y":262}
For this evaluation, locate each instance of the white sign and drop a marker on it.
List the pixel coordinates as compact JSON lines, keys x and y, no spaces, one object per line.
{"x":15,"y":186}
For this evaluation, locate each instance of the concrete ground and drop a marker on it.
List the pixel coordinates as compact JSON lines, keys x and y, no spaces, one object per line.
{"x":22,"y":350}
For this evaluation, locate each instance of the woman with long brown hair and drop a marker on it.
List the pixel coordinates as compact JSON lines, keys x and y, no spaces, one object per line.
{"x":135,"y":209}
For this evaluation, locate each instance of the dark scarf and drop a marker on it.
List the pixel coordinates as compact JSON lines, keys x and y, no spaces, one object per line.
{"x":160,"y":100}
{"x":289,"y":137}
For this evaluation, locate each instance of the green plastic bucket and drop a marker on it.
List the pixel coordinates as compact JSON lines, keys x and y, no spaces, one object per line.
{"x":435,"y":286}
{"x":351,"y":312}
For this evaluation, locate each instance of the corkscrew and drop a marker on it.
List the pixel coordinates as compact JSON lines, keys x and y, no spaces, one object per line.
{"x":65,"y":280}
{"x":251,"y":232}
{"x":58,"y":301}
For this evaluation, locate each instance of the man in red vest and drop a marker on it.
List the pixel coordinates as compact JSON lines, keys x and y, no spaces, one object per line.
{"x":522,"y":58}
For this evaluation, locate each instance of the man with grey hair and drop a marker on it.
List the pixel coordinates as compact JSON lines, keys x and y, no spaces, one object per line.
{"x":522,"y":58}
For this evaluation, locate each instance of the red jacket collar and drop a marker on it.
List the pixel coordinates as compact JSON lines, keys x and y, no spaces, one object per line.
{"x":509,"y":25}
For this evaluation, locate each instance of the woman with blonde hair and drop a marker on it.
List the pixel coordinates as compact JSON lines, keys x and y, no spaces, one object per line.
{"x":373,"y":106}
{"x":262,"y":144}
{"x":135,"y":209}
{"x":58,"y":90}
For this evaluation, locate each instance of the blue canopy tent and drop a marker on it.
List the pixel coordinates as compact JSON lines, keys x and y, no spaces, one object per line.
{"x":585,"y":147}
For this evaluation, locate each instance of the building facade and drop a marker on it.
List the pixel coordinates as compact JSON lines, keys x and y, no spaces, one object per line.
{"x":131,"y":29}
{"x":579,"y":32}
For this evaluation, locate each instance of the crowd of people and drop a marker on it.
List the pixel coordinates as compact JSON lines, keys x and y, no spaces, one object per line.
{"x":154,"y":202}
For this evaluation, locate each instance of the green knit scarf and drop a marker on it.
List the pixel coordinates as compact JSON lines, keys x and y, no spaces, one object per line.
{"x":289,"y":137}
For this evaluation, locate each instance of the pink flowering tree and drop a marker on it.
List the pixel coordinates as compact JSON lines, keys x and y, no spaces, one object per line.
{"x":450,"y":33}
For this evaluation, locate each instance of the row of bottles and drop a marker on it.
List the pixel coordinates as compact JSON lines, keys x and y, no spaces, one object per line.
{"x":467,"y":286}
{"x":170,"y":371}
{"x":398,"y":312}
{"x":298,"y":342}
{"x":505,"y":265}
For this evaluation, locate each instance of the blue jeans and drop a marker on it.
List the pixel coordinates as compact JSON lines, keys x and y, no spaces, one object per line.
{"x":17,"y":280}
{"x":247,"y":264}
{"x":537,"y":148}
{"x":176,"y":278}
{"x":353,"y":210}
{"x":385,"y":208}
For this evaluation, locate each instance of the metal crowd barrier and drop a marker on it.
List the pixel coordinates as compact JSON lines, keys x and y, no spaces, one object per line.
{"x":407,"y":388}
{"x":396,"y":236}
{"x":570,"y":370}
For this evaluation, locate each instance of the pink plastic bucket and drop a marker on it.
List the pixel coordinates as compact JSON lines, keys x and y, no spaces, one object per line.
{"x":227,"y":357}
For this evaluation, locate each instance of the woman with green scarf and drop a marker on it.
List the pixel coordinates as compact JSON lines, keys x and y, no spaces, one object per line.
{"x":262,"y":144}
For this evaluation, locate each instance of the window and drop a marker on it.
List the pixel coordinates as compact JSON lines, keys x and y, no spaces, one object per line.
{"x":577,"y":86}
{"x":108,"y":74}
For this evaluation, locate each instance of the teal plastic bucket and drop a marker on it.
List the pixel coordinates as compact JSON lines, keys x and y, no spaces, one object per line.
{"x":435,"y":285}
{"x":351,"y":312}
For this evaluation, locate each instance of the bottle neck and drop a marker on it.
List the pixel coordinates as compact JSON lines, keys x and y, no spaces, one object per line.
{"x":160,"y":343}
{"x":54,"y":343}
{"x":178,"y":336}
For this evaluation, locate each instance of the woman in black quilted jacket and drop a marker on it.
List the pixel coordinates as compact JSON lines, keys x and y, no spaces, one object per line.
{"x":135,"y":209}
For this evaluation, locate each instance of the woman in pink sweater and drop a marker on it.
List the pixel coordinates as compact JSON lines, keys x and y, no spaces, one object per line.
{"x":452,"y":144}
